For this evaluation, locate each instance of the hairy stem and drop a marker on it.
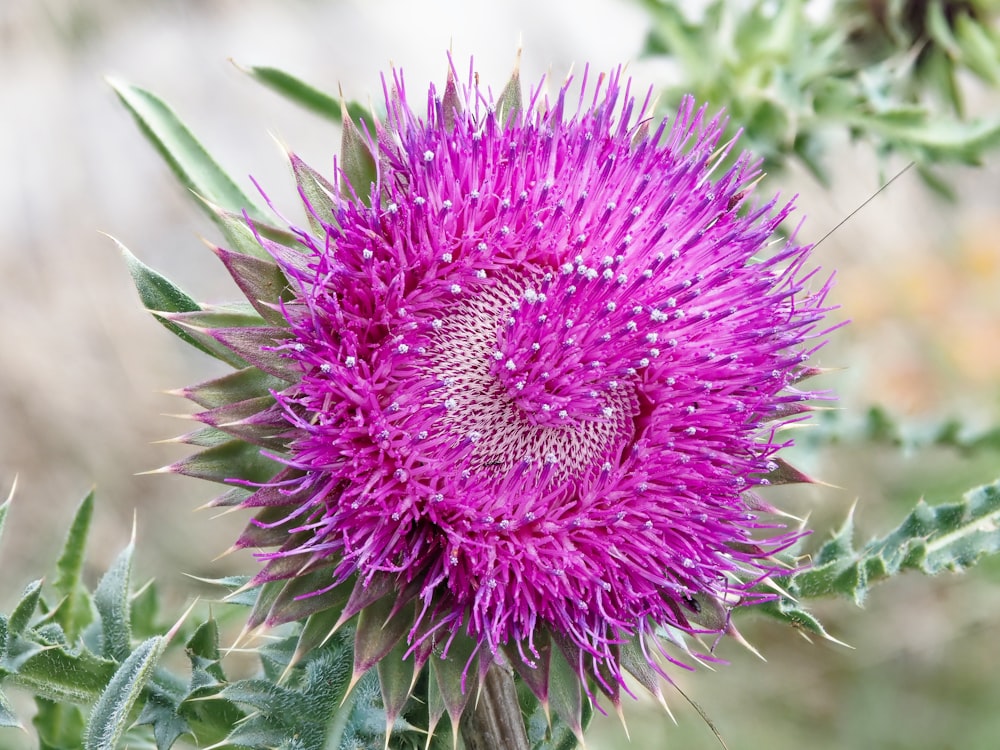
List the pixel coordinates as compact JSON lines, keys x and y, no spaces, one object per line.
{"x":495,"y":722}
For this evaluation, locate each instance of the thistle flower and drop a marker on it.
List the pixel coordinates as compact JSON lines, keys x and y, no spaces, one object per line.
{"x":519,"y":378}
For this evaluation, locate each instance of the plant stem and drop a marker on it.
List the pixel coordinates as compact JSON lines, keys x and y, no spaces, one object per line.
{"x":495,"y":722}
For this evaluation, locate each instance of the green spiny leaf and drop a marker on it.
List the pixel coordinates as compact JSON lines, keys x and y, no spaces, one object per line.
{"x":24,"y":609}
{"x":74,"y":611}
{"x":111,"y":597}
{"x":190,"y":162}
{"x":55,"y":673}
{"x":7,"y":716}
{"x":931,"y":540}
{"x":112,"y":713}
{"x":203,"y":650}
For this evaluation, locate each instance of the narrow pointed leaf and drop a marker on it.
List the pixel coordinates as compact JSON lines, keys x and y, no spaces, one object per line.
{"x":74,"y":611}
{"x":112,"y":712}
{"x":190,"y":162}
{"x":111,"y":597}
{"x":158,"y":295}
{"x":295,"y":90}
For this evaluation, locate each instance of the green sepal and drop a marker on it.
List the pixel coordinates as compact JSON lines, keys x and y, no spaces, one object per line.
{"x":298,"y":599}
{"x":456,"y":675}
{"x":510,"y":102}
{"x":634,"y":661}
{"x":565,"y":693}
{"x":380,"y":627}
{"x":396,"y":676}
{"x":256,"y":420}
{"x":318,"y":194}
{"x":785,"y":473}
{"x":451,"y":102}
{"x":261,"y":281}
{"x":535,"y":678}
{"x":358,"y":169}
{"x":74,"y":612}
{"x":247,"y":343}
{"x":190,"y":162}
{"x":112,"y":600}
{"x":235,"y":459}
{"x":316,"y":630}
{"x":250,"y":382}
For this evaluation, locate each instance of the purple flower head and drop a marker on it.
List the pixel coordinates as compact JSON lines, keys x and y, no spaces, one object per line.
{"x":537,"y":367}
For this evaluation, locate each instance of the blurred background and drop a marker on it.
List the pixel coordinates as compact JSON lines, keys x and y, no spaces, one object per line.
{"x":85,"y":370}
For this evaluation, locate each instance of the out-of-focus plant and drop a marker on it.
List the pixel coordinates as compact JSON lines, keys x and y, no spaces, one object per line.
{"x":791,"y":73}
{"x":426,"y":506}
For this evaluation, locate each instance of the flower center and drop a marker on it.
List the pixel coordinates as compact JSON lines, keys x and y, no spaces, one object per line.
{"x":524,"y":381}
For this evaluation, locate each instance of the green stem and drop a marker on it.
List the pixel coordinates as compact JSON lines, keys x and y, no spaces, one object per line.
{"x":495,"y":723}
